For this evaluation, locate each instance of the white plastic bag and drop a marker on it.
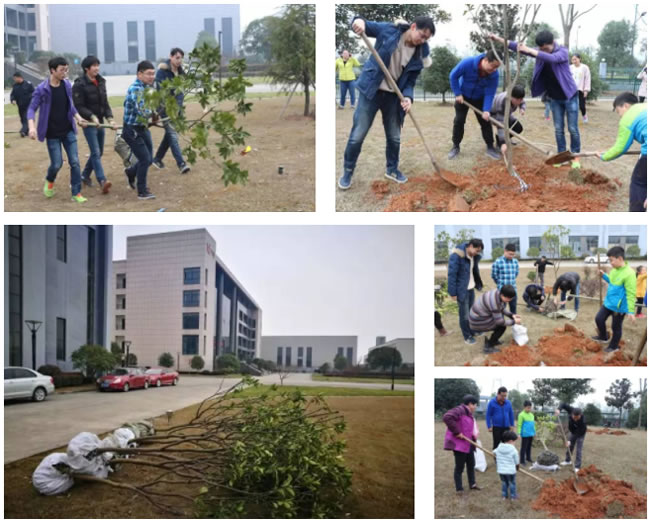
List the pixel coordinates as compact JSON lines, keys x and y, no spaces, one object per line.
{"x":479,"y":459}
{"x":520,"y":334}
{"x":541,"y":467}
{"x":79,"y":448}
{"x":48,"y":480}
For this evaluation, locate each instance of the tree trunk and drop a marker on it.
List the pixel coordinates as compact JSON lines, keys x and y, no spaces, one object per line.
{"x":306,"y":83}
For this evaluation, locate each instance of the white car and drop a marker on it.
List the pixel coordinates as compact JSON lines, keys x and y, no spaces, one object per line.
{"x":27,"y":383}
{"x":591,"y":259}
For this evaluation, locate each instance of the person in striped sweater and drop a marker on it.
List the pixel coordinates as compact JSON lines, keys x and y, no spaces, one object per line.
{"x":489,"y":314}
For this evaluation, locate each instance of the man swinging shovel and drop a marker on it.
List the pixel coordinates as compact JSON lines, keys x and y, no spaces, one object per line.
{"x":578,"y":430}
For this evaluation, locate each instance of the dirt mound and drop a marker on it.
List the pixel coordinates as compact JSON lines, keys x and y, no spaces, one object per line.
{"x":607,"y":431}
{"x":551,"y":189}
{"x":380,"y":188}
{"x":606,"y":498}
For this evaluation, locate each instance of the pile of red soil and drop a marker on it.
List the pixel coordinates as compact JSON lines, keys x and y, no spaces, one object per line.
{"x":552,"y":189}
{"x":606,"y":498}
{"x":607,"y":431}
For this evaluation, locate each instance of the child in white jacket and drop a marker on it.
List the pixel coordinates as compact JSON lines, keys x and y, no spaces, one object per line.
{"x":507,"y":464}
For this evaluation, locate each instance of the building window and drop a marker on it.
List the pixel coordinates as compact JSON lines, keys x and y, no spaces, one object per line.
{"x":300,"y":352}
{"x":190,"y":321}
{"x":287,"y":357}
{"x":349,"y":357}
{"x":23,"y":43}
{"x":206,"y":277}
{"x":502,"y":242}
{"x":31,"y":22}
{"x":206,"y":298}
{"x":278,"y":359}
{"x":132,"y":41}
{"x":204,"y":343}
{"x":90,"y":303}
{"x":535,"y":242}
{"x":205,"y":321}
{"x":191,"y":275}
{"x":109,"y":43}
{"x":190,"y":344}
{"x":208,"y":25}
{"x":15,"y":295}
{"x":339,"y":352}
{"x":61,"y":243}
{"x":91,"y":38}
{"x":12,"y":17}
{"x":299,"y":362}
{"x":191,"y":298}
{"x":120,"y":322}
{"x":21,"y":20}
{"x":120,"y":279}
{"x":60,"y":338}
{"x":150,"y":40}
{"x":120,"y":302}
{"x":308,"y":357}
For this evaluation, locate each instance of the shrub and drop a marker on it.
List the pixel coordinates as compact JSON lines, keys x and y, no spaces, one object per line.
{"x":93,"y":359}
{"x":166,"y":360}
{"x":68,"y":379}
{"x":592,"y":415}
{"x":132,"y":360}
{"x":532,"y":275}
{"x":197,"y":363}
{"x":50,"y":370}
{"x":497,"y":252}
{"x":325,"y":368}
{"x":340,"y":362}
{"x":532,"y":252}
{"x":228,"y":363}
{"x":633,"y":251}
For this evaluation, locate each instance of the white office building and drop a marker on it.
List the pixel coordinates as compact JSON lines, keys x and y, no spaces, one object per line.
{"x":307,"y":353}
{"x":405,"y":346}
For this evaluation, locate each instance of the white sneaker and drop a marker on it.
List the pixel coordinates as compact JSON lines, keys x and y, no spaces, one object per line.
{"x":576,"y":470}
{"x":565,"y":463}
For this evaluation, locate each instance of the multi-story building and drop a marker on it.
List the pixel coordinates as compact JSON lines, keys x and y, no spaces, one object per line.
{"x":123,"y":35}
{"x":26,"y":28}
{"x":59,"y":277}
{"x":172,"y":294}
{"x":307,"y":353}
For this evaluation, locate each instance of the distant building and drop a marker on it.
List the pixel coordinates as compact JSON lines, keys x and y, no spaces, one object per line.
{"x":26,"y":28}
{"x":174,"y":295}
{"x":59,"y":276}
{"x":405,"y":346}
{"x":307,"y":353}
{"x":123,"y":35}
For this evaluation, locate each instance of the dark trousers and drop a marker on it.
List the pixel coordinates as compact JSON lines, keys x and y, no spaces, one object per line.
{"x":577,"y":443}
{"x":22,"y":111}
{"x":496,"y":335}
{"x":526,"y":450}
{"x":464,"y":307}
{"x":642,"y":99}
{"x":437,"y":320}
{"x":497,"y":433}
{"x":462,"y":460}
{"x":639,"y":185}
{"x":582,"y":103}
{"x":617,"y":325}
{"x":139,"y":140}
{"x":515,"y":125}
{"x":513,"y":305}
{"x":639,"y":305}
{"x":459,"y":123}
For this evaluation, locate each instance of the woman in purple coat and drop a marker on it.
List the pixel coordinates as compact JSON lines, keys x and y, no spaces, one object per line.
{"x":460,"y":421}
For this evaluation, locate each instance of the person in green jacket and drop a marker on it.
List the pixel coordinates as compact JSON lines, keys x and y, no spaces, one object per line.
{"x":620,"y":298}
{"x":526,"y":430}
{"x":345,"y":68}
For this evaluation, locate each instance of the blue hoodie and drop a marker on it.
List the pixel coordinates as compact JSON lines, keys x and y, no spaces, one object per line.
{"x":465,"y":80}
{"x":499,"y":416}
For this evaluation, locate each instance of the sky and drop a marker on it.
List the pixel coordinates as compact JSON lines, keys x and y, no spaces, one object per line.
{"x":249,"y":11}
{"x":317,"y":280}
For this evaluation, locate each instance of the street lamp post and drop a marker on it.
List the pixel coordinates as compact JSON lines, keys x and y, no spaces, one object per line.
{"x":33,"y":326}
{"x":127,"y":344}
{"x":392,"y":370}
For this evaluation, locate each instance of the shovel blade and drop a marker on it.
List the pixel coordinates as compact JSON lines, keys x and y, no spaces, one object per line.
{"x":564,"y":156}
{"x":580,"y":487}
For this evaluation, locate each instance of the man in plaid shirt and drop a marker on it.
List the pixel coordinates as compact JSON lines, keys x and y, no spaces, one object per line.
{"x":505,"y":271}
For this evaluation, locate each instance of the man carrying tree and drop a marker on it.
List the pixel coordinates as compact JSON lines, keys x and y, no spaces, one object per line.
{"x":475,"y":80}
{"x":345,"y":65}
{"x":404,"y":50}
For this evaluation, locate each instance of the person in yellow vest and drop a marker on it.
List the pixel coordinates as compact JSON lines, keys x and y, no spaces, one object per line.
{"x":641,"y":287}
{"x":345,"y":68}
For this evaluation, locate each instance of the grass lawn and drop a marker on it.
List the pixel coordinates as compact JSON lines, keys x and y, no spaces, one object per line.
{"x":452,"y":350}
{"x":369,"y":380}
{"x":380,"y":453}
{"x":621,"y":457}
{"x":325,"y":391}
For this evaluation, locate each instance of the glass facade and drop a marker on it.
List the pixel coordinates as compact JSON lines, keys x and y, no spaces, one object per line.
{"x":308,"y":364}
{"x":90,"y":304}
{"x":62,"y":243}
{"x":349,"y":356}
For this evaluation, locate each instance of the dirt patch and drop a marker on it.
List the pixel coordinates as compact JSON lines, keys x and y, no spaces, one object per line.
{"x":607,"y":431}
{"x":380,"y":188}
{"x":606,"y":498}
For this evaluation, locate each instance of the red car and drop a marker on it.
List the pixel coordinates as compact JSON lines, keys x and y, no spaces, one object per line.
{"x":161,"y":376}
{"x":123,"y":379}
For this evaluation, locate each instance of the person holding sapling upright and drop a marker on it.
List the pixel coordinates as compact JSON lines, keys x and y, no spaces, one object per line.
{"x":526,"y":430}
{"x":498,"y":112}
{"x":507,"y":465}
{"x":489,"y":314}
{"x":620,"y":298}
{"x":460,"y":423}
{"x":577,"y":432}
{"x":567,"y":283}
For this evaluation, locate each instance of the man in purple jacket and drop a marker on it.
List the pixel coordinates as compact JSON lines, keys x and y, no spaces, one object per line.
{"x":56,"y":125}
{"x":552,"y":75}
{"x":460,"y":421}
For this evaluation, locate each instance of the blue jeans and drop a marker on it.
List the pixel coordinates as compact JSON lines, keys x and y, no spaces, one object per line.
{"x":547,"y":109}
{"x":170,"y":140}
{"x":139,"y":140}
{"x":95,"y":138}
{"x":570,"y":108}
{"x":389,"y":105}
{"x":508,"y":481}
{"x":347,"y":85}
{"x":69,"y":143}
{"x":463,"y":313}
{"x":577,"y":304}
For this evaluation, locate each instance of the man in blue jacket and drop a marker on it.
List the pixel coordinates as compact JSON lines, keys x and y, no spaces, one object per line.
{"x":499,"y":416}
{"x":463,"y":277}
{"x":404,"y":50}
{"x":475,"y":80}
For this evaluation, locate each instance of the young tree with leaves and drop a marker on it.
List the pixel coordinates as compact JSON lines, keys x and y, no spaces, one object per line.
{"x":620,"y":396}
{"x":449,"y":392}
{"x":384,"y":358}
{"x":436,"y":78}
{"x":552,"y":240}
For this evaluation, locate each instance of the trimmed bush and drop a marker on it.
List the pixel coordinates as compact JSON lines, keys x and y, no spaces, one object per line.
{"x":166,"y":360}
{"x":197,"y":363}
{"x":228,"y":363}
{"x":49,"y":369}
{"x":68,"y":379}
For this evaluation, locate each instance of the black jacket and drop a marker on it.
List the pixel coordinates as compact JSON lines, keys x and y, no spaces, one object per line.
{"x":579,"y":427}
{"x":541,"y":264}
{"x":22,"y":94}
{"x":91,"y":99}
{"x":567,"y":282}
{"x":534,"y":296}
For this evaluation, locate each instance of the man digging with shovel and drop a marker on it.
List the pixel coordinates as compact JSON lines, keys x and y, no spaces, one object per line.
{"x":577,"y":432}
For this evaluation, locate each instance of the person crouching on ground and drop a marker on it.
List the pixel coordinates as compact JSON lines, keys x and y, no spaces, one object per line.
{"x":534,"y":297}
{"x":567,"y":283}
{"x":577,"y":432}
{"x":498,"y":112}
{"x":57,"y":117}
{"x":474,"y":80}
{"x":632,"y":126}
{"x":405,"y":52}
{"x":526,"y":430}
{"x":508,"y":465}
{"x":489,"y":314}
{"x":460,"y":422}
{"x":619,"y":300}
{"x":641,"y":286}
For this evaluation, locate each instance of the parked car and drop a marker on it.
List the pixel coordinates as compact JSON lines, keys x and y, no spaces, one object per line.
{"x":161,"y":376}
{"x":27,"y":383}
{"x":123,"y":379}
{"x":591,"y":259}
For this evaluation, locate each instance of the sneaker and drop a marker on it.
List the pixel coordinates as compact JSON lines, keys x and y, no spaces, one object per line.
{"x":184,"y":168}
{"x":453,"y":152}
{"x":353,"y":107}
{"x":470,"y":341}
{"x":493,"y":153}
{"x":106,"y":186}
{"x":598,"y":339}
{"x":48,"y":189}
{"x":131,"y":178}
{"x":79,"y":199}
{"x":397,"y":176}
{"x":576,"y":470}
{"x":565,"y":463}
{"x":158,"y":164}
{"x":488,"y":350}
{"x":147,"y":195}
{"x":475,"y":487}
{"x":346,"y":180}
{"x":504,"y":498}
{"x":514,"y":497}
{"x":609,"y":349}
{"x":87,"y":180}
{"x":341,"y":107}
{"x":547,"y":118}
{"x":575,"y":164}
{"x":640,"y":315}
{"x":585,"y":119}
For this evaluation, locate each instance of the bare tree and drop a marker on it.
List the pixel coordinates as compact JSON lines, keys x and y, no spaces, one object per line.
{"x":282,"y":374}
{"x":568,"y":19}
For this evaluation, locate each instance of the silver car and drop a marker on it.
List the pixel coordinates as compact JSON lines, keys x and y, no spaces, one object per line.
{"x":27,"y":383}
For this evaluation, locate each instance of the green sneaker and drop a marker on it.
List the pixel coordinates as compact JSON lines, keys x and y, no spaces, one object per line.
{"x":558,"y":165}
{"x":48,"y":189}
{"x":78,"y":198}
{"x":575,"y":164}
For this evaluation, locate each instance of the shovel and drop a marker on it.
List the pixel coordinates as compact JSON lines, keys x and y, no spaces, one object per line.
{"x":567,"y":156}
{"x":393,"y":86}
{"x":579,"y":484}
{"x":522,"y":470}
